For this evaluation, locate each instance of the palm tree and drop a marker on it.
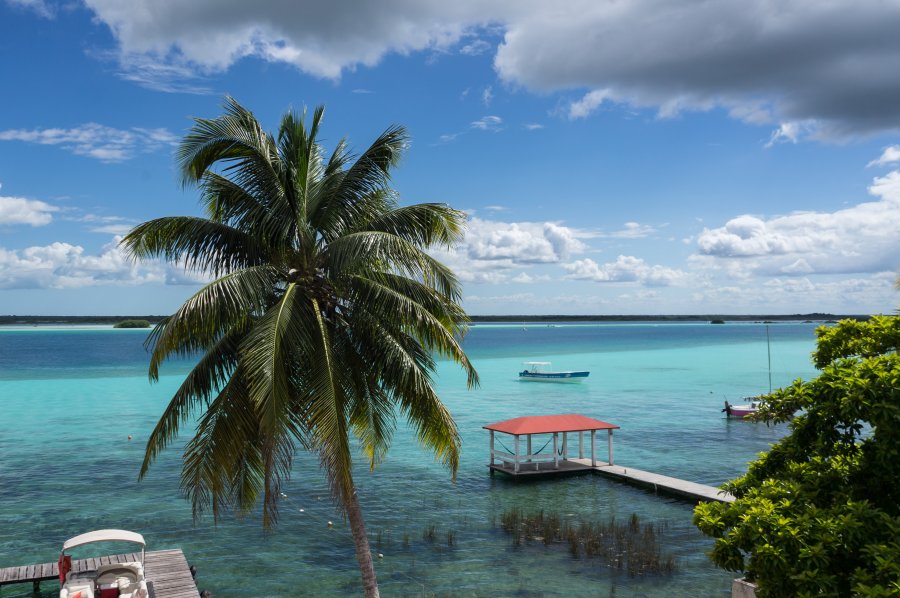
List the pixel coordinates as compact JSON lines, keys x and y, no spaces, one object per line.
{"x":321,"y":324}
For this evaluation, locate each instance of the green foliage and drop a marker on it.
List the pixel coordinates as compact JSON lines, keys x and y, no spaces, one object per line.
{"x":819,"y":513}
{"x":132,"y":324}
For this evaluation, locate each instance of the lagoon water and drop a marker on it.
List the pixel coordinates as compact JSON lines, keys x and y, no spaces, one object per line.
{"x":70,"y":397}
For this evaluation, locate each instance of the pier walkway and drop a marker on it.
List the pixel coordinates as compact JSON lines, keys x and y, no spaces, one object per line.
{"x":167,"y":572}
{"x":653,"y":481}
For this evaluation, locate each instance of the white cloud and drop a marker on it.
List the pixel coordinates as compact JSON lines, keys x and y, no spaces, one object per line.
{"x":112,"y":229}
{"x":93,"y":140}
{"x":871,"y":294}
{"x":586,"y":105}
{"x":792,"y":132}
{"x":829,"y":63}
{"x":625,"y":269}
{"x":487,"y":96}
{"x":64,"y":266}
{"x":521,"y":242}
{"x":492,"y":249}
{"x":797,"y":61}
{"x":475,"y":48}
{"x":38,"y":6}
{"x":533,"y":126}
{"x":18,"y":210}
{"x":321,"y":39}
{"x":859,"y":239}
{"x":890,"y":155}
{"x":488,"y":123}
{"x":630,"y":230}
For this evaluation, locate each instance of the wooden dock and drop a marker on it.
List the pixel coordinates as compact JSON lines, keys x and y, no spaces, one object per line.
{"x":654,"y":481}
{"x":167,"y":572}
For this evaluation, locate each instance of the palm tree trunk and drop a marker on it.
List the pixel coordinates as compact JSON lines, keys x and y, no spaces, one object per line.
{"x":361,"y":541}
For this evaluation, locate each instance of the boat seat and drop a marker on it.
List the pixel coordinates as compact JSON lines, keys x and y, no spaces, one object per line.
{"x":86,"y":590}
{"x":133,"y":590}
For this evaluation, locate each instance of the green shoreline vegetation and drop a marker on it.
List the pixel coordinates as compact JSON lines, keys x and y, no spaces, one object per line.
{"x":7,"y":320}
{"x":132,"y":324}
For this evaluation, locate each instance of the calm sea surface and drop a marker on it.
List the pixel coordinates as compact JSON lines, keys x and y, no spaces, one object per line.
{"x":69,"y":398}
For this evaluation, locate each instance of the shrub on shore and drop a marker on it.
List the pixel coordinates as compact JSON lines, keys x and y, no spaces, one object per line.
{"x":819,"y":513}
{"x":132,"y":324}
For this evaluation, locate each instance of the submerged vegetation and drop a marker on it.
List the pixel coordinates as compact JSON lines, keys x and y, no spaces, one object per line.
{"x":631,"y":547}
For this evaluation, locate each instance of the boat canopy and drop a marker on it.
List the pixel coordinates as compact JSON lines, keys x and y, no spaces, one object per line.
{"x":536,"y":362}
{"x":547,"y":424}
{"x":105,"y":535}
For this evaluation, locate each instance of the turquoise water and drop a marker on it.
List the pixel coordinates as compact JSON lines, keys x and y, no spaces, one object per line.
{"x":69,"y":398}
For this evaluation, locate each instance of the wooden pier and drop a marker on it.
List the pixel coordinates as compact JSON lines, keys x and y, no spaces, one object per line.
{"x":167,"y":572}
{"x":532,"y":464}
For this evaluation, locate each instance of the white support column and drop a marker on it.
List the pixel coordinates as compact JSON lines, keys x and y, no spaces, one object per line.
{"x":528,"y":445}
{"x":556,"y":450}
{"x":609,"y":439}
{"x":516,"y":460}
{"x":581,"y":444}
{"x":593,"y":448}
{"x":565,"y":446}
{"x":492,"y":448}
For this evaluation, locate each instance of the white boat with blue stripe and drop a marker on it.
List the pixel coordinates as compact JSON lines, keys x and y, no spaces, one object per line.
{"x":539,"y":371}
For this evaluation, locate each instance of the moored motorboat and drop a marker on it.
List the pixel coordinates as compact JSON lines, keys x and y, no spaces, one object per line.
{"x":741,"y":411}
{"x":537,"y":371}
{"x":111,"y":580}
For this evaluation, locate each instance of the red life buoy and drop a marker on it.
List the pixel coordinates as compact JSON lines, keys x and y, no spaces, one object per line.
{"x":65,"y":565}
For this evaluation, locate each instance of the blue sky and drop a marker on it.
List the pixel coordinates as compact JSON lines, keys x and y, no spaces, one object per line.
{"x":614,"y":158}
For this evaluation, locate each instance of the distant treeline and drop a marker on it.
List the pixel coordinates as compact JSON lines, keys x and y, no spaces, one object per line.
{"x":816,"y":317}
{"x":46,"y":320}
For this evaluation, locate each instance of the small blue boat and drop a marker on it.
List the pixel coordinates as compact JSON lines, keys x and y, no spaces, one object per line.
{"x":536,"y":371}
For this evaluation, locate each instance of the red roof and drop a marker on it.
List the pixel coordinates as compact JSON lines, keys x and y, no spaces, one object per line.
{"x":545,"y":424}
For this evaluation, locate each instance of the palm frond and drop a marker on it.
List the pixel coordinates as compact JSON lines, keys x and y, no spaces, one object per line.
{"x":360,"y":195}
{"x":200,"y":245}
{"x":223,"y":305}
{"x":223,"y":461}
{"x":207,"y":378}
{"x":328,"y":413}
{"x":381,"y":301}
{"x":363,"y":252}
{"x":424,"y":225}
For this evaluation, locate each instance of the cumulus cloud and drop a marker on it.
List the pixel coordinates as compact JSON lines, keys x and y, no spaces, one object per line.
{"x":626,"y":268}
{"x":93,"y":140}
{"x":321,"y":39}
{"x":65,"y":266}
{"x":827,"y":63}
{"x":491,"y":249}
{"x":19,"y":210}
{"x":521,"y":242}
{"x":798,"y":61}
{"x":859,"y":239}
{"x":888,"y":156}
